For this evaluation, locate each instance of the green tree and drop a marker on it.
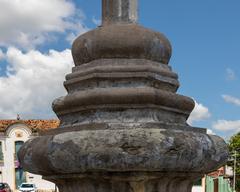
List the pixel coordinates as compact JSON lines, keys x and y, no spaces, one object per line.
{"x":234,"y":149}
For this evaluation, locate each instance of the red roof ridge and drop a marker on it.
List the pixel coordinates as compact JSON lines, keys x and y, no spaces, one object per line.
{"x":34,"y":124}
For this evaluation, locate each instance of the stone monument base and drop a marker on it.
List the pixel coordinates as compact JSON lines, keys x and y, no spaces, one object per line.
{"x":123,"y":126}
{"x":145,"y":159}
{"x":126,"y":182}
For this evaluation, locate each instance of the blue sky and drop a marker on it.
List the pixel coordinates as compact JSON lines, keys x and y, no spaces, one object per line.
{"x":204,"y":36}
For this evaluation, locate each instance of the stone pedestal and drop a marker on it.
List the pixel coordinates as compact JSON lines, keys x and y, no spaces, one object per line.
{"x":126,"y":182}
{"x":123,"y":127}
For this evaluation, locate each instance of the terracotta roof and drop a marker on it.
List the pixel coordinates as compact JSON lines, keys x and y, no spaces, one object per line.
{"x":34,"y":124}
{"x":217,"y":173}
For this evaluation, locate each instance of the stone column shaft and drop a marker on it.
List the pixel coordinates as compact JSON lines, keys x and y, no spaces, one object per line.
{"x":119,"y":11}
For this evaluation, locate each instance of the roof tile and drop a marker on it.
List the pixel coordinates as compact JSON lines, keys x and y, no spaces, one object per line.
{"x":34,"y":124}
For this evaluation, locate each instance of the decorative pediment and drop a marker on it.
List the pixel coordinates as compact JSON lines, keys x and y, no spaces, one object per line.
{"x":18,"y":131}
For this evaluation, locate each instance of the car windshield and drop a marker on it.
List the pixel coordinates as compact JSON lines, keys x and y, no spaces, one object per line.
{"x":25,"y":185}
{"x":2,"y":186}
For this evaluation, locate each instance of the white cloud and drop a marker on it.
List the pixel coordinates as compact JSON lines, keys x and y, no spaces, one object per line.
{"x":230,"y":74}
{"x":33,"y":81}
{"x":210,"y":132}
{"x":199,"y":113}
{"x":96,"y":21}
{"x":231,"y":99}
{"x":27,"y":23}
{"x":224,"y":125}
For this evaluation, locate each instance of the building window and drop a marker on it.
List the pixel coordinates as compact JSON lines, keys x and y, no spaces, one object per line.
{"x":1,"y":152}
{"x":20,"y":175}
{"x":18,"y":145}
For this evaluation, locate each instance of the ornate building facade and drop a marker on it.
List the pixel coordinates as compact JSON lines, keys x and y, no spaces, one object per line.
{"x":13,"y":133}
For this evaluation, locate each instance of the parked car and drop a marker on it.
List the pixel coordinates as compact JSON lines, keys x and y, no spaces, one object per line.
{"x":4,"y":187}
{"x":27,"y":187}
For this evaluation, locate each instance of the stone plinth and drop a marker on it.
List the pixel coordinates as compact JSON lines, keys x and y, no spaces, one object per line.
{"x":147,"y":159}
{"x":127,"y":182}
{"x":123,"y":127}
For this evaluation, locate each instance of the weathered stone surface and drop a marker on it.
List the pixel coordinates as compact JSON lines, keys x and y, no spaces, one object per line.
{"x":123,"y":127}
{"x":105,"y":73}
{"x":129,"y":41}
{"x":126,"y":182}
{"x":119,"y":11}
{"x":125,"y":150}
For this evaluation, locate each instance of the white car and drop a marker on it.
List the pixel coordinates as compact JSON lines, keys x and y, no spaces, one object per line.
{"x":27,"y":187}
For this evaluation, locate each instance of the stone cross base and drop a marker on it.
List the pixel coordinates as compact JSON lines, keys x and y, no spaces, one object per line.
{"x":126,"y":182}
{"x":124,"y":159}
{"x":123,"y":126}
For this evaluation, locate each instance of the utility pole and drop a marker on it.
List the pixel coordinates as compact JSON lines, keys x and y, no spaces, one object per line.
{"x":234,"y":173}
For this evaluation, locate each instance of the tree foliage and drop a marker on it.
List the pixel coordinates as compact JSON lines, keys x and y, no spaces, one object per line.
{"x":234,"y":149}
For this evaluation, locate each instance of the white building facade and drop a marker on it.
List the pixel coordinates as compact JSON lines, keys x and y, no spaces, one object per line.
{"x":11,"y":139}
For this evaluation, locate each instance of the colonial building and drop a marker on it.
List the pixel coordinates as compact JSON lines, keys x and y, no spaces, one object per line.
{"x":219,"y":180}
{"x":13,"y":133}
